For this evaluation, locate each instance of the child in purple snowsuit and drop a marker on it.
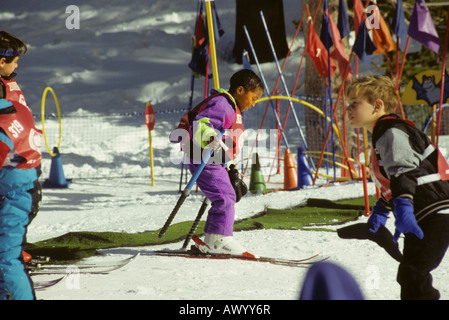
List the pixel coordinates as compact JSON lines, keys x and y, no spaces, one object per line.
{"x":222,"y":110}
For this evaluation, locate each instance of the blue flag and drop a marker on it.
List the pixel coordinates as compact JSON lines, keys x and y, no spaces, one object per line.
{"x":343,"y":24}
{"x":399,"y":27}
{"x":363,"y":46}
{"x":326,"y":33}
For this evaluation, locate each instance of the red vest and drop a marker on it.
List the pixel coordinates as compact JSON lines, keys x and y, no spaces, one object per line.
{"x":383,"y":183}
{"x":13,"y":91}
{"x":26,"y":138}
{"x":235,"y":131}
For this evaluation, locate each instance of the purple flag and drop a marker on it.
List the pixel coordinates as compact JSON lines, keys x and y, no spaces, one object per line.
{"x":421,"y":27}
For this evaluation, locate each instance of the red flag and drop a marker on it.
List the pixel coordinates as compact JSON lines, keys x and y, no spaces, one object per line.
{"x":381,"y":32}
{"x":339,"y":52}
{"x":359,"y":10}
{"x":318,"y":53}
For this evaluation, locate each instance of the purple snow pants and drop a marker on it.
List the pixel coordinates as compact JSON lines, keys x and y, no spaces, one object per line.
{"x":216,"y":186}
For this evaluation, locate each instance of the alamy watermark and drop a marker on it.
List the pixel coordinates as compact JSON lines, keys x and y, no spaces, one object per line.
{"x":373,"y":17}
{"x":266,"y":145}
{"x":372,"y":279}
{"x":73,"y":20}
{"x":72,"y":280}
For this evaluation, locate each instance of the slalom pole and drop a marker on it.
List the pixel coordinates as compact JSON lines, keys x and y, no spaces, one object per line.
{"x":278,"y":121}
{"x":284,"y":84}
{"x":192,"y":84}
{"x":150,"y":120}
{"x":265,"y":83}
{"x":329,"y":88}
{"x":443,"y":70}
{"x":203,"y":208}
{"x":186,"y":192}
{"x":210,"y":27}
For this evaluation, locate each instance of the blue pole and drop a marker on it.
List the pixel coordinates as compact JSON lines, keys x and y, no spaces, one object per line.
{"x":265,"y":85}
{"x":285,"y":86}
{"x":326,"y":20}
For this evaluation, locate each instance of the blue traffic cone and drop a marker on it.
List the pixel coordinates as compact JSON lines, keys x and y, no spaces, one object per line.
{"x":304,"y":173}
{"x":57,"y":178}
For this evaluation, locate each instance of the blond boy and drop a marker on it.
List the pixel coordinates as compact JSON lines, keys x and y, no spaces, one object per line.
{"x":410,"y":173}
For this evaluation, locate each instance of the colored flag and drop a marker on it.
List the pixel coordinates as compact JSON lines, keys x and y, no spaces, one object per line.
{"x":421,"y":27}
{"x":318,"y":53}
{"x":399,"y":27}
{"x":200,"y":56}
{"x":363,"y":46}
{"x":381,"y":33}
{"x":326,"y":34}
{"x":342,"y":23}
{"x":359,"y":11}
{"x":339,"y":52}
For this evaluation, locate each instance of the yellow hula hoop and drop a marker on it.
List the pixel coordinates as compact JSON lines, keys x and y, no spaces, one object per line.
{"x":44,"y":95}
{"x":329,"y":154}
{"x":304,"y":103}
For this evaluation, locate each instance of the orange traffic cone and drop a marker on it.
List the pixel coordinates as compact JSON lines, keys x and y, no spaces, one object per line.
{"x":345,"y":173}
{"x":290,"y":173}
{"x":26,"y":257}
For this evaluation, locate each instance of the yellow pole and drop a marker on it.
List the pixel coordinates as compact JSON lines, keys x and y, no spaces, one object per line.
{"x":210,"y":26}
{"x":151,"y":153}
{"x":151,"y":158}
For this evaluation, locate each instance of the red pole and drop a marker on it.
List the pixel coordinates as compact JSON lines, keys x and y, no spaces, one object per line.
{"x":365,"y":191}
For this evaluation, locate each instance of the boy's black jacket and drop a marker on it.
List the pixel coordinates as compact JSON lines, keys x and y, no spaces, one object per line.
{"x":427,"y":198}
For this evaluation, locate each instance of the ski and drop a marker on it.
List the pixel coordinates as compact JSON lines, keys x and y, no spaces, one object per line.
{"x":45,"y":284}
{"x":101,"y":267}
{"x":195,"y":253}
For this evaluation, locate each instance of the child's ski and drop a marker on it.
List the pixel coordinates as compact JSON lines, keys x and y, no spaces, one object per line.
{"x":195,"y":253}
{"x":94,"y":267}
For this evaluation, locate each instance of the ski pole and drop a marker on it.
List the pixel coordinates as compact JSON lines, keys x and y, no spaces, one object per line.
{"x":203,"y":208}
{"x":186,"y":192}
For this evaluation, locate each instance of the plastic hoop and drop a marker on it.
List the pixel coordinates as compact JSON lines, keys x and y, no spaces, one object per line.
{"x":302,"y":102}
{"x":44,"y":95}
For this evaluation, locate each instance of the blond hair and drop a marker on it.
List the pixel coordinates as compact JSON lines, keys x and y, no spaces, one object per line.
{"x":372,"y":88}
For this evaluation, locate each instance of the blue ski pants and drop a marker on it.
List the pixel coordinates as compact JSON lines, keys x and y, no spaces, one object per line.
{"x":15,"y":206}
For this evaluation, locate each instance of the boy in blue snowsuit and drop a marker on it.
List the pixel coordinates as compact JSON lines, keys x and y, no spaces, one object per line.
{"x":20,"y":155}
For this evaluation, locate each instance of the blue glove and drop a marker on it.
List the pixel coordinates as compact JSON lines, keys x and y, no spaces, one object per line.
{"x":378,"y":217}
{"x":405,"y":219}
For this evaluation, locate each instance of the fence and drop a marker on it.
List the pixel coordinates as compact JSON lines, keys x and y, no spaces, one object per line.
{"x":95,"y":145}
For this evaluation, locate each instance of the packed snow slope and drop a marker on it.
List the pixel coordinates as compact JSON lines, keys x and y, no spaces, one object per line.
{"x":124,"y":54}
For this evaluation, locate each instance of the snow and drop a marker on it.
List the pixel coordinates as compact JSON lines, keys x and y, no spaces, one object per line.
{"x":124,"y":54}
